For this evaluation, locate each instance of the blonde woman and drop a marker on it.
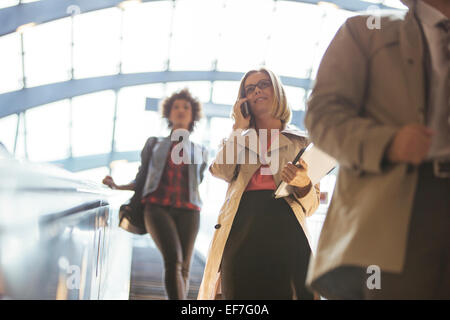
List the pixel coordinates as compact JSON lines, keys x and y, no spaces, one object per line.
{"x":260,"y":249}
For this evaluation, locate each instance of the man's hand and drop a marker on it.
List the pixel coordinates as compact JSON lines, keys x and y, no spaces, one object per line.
{"x":410,"y":145}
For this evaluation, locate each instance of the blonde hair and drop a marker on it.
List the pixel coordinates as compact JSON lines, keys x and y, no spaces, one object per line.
{"x":280,"y":106}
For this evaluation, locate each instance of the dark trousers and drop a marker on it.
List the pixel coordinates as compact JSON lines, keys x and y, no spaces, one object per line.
{"x":427,"y":266}
{"x":174,"y":232}
{"x":266,"y":255}
{"x":426,"y":273}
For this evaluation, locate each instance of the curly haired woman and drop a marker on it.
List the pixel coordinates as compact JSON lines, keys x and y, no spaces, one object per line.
{"x":168,"y":190}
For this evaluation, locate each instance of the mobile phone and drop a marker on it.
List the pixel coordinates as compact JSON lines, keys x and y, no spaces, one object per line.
{"x":244,"y":110}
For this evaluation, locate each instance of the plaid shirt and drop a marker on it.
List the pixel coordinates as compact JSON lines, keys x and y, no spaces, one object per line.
{"x":173,"y":189}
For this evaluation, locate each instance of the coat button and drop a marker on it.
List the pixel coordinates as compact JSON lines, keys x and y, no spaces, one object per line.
{"x":217,"y":226}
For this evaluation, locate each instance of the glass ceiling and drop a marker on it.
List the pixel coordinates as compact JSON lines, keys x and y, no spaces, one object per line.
{"x":288,"y":37}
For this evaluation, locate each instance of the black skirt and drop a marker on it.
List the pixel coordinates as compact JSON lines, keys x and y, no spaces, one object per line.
{"x":267,"y":253}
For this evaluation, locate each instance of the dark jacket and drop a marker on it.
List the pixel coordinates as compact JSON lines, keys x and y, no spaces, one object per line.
{"x":153,"y":161}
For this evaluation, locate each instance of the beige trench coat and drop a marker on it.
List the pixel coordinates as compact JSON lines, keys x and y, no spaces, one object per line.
{"x":370,"y":83}
{"x":290,"y":143}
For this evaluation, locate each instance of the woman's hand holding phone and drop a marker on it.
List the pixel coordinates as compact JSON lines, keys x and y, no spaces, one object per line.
{"x":240,"y":121}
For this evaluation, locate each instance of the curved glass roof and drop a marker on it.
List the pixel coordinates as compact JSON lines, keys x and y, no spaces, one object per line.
{"x":134,"y":38}
{"x":74,"y":89}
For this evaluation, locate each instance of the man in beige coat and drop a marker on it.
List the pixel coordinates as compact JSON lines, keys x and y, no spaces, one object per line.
{"x":380,"y":106}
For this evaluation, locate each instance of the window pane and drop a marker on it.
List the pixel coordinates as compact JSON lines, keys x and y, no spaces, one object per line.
{"x":155,"y":90}
{"x":295,"y":97}
{"x":96,"y":38}
{"x":222,"y":128}
{"x":331,"y":22}
{"x":123,"y":171}
{"x":8,"y":127}
{"x":195,"y":35}
{"x":48,"y":131}
{"x":225,"y":92}
{"x":47,"y":53}
{"x":10,"y":63}
{"x":146,"y":30}
{"x":95,"y":175}
{"x":93,"y":116}
{"x":200,"y":134}
{"x":292,"y":42}
{"x":134,"y":123}
{"x":244,"y":40}
{"x":199,"y":89}
{"x":8,"y":3}
{"x":395,"y":4}
{"x":21,"y":149}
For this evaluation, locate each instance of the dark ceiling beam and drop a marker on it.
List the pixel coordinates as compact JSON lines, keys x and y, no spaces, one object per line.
{"x":48,"y":10}
{"x":22,"y":100}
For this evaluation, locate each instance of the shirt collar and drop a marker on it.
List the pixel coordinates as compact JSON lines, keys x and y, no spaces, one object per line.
{"x":429,"y":15}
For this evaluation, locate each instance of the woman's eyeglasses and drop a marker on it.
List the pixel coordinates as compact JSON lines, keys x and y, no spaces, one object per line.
{"x":262,"y":84}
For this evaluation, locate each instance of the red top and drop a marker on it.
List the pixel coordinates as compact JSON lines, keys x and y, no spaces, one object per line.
{"x":173,"y":188}
{"x":259,"y":181}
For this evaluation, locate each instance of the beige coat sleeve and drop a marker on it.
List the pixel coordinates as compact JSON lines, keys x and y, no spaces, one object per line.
{"x":335,"y":118}
{"x":224,"y":165}
{"x":309,"y":202}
